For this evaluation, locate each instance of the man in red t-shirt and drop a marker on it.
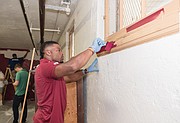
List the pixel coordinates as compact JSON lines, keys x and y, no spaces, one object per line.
{"x":50,"y":78}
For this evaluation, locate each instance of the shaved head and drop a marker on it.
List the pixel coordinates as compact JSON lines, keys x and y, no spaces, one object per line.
{"x":45,"y":45}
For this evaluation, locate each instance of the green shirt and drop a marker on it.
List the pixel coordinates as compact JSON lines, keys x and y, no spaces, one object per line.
{"x":22,"y":77}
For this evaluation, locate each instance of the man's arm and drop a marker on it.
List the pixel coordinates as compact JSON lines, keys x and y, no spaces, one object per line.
{"x":74,"y":77}
{"x":73,"y":64}
{"x":16,"y":83}
{"x":78,"y":61}
{"x":80,"y":73}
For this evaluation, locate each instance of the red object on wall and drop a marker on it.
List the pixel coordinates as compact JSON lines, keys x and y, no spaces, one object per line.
{"x":107,"y":47}
{"x":145,"y":20}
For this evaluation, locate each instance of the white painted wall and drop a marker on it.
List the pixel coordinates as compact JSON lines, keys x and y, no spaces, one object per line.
{"x":137,"y":85}
{"x":88,"y":24}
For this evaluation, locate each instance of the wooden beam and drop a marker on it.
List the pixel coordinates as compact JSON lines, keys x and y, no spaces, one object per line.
{"x":27,"y":85}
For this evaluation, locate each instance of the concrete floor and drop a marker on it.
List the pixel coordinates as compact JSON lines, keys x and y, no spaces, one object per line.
{"x":6,"y":114}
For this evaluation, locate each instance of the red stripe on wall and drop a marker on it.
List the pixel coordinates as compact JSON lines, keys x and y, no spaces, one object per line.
{"x":145,"y":20}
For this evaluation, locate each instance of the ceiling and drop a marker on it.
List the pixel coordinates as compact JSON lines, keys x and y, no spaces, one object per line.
{"x":13,"y":28}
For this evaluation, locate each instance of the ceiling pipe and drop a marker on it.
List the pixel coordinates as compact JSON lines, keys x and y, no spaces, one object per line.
{"x":42,"y":19}
{"x":48,"y":30}
{"x":27,"y":23}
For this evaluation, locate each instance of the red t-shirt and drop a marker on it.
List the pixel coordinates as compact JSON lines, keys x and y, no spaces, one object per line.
{"x":51,"y":94}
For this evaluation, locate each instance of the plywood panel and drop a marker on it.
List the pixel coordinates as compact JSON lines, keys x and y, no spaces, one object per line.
{"x":71,"y":109}
{"x":80,"y":101}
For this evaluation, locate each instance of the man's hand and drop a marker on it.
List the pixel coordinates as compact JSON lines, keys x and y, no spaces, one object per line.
{"x":16,"y":83}
{"x":97,"y":44}
{"x":92,"y":68}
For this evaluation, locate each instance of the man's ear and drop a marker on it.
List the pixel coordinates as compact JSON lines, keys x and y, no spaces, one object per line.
{"x":48,"y":52}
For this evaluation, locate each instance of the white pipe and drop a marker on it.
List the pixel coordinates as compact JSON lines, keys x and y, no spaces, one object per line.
{"x":57,"y":8}
{"x":48,"y":30}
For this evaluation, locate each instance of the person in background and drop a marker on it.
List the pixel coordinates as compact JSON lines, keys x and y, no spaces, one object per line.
{"x":20,"y":83}
{"x":50,"y":78}
{"x":15,"y":60}
{"x":1,"y":85}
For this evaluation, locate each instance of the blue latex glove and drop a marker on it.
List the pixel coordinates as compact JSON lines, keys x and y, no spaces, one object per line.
{"x":92,"y":68}
{"x":97,"y":44}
